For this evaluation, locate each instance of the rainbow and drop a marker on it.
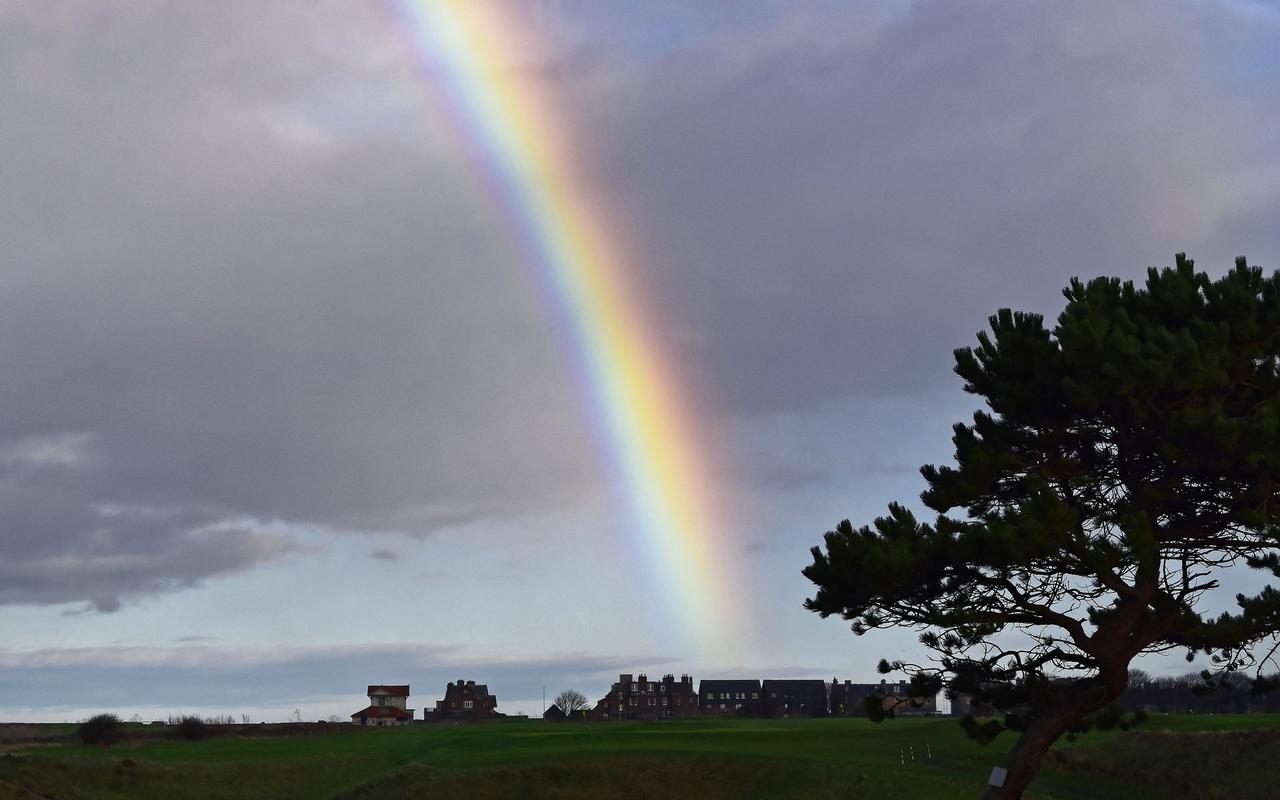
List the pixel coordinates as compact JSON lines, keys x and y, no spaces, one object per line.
{"x":518,"y":138}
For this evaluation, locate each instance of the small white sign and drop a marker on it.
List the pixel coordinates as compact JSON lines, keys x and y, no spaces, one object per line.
{"x":998,"y":774}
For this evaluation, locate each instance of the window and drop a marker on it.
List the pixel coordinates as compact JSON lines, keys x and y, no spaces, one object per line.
{"x":711,"y":695}
{"x":724,"y":695}
{"x":755,"y":695}
{"x":722,"y":706}
{"x":382,"y":701}
{"x":466,"y":704}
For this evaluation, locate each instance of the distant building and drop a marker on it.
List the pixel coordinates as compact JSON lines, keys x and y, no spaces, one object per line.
{"x":388,"y":705}
{"x":915,"y":705}
{"x":553,"y":714}
{"x":790,"y":698}
{"x":729,"y":697}
{"x":646,"y":699}
{"x":849,"y":699}
{"x":466,"y":700}
{"x":963,"y":705}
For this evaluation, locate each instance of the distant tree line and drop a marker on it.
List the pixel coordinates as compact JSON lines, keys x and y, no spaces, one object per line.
{"x":1229,"y":693}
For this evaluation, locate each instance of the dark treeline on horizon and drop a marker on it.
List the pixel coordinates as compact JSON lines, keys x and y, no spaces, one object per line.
{"x":1185,"y":694}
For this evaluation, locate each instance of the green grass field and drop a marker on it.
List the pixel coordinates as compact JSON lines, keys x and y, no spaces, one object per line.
{"x":1170,"y":757}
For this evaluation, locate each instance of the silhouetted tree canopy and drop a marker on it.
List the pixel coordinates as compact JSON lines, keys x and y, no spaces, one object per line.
{"x":191,"y":728}
{"x":1124,"y":459}
{"x":102,"y":730}
{"x":570,"y":701}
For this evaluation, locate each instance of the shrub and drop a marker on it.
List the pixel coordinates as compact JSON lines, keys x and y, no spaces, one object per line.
{"x":192,"y":728}
{"x":102,"y":730}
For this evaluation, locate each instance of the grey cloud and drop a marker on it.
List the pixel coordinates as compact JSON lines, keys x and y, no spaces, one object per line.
{"x":239,"y":275}
{"x":867,"y":192}
{"x":248,"y":280}
{"x":56,"y":546}
{"x":205,"y":676}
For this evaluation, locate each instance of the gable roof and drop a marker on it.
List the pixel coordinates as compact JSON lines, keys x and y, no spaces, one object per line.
{"x":716,"y":685}
{"x":479,"y":690}
{"x":814,"y":685}
{"x":379,"y":712}
{"x":395,"y":690}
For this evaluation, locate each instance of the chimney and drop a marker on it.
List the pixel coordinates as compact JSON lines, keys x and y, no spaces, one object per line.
{"x":471,"y":683}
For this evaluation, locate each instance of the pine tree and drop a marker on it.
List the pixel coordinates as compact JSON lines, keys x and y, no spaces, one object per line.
{"x":1124,"y":459}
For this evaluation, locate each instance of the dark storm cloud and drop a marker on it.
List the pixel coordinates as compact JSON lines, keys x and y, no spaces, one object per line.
{"x":251,"y":298}
{"x":830,"y":204}
{"x":247,"y":278}
{"x":59,"y":545}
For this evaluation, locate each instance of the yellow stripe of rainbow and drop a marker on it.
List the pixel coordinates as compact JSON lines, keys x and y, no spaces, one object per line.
{"x":653,"y":444}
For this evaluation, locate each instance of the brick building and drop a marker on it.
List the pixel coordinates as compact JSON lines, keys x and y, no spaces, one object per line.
{"x":849,"y":699}
{"x":803,"y":698}
{"x":645,"y":699}
{"x":466,"y":700}
{"x":895,"y":693}
{"x":553,"y":714}
{"x":962,"y":705}
{"x":729,"y":697}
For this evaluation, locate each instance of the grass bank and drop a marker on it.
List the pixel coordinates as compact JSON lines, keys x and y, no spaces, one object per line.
{"x":846,"y":758}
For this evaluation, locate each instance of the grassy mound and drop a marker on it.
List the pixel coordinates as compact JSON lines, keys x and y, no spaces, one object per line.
{"x":1196,"y":765}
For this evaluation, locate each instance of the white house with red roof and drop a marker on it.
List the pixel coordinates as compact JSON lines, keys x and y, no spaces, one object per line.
{"x":388,"y":705}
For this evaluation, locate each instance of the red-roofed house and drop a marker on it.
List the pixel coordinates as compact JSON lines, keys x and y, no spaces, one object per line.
{"x":387,"y":706}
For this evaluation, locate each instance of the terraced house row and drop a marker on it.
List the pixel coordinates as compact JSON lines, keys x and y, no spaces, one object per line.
{"x":639,"y":698}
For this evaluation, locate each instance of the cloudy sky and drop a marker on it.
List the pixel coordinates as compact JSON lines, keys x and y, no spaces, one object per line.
{"x":284,"y":409}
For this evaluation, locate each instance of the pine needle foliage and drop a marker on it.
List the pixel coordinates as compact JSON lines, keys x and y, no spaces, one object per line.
{"x":1124,"y":459}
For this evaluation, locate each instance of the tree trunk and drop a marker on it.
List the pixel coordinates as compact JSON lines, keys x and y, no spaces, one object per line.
{"x":1023,"y":761}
